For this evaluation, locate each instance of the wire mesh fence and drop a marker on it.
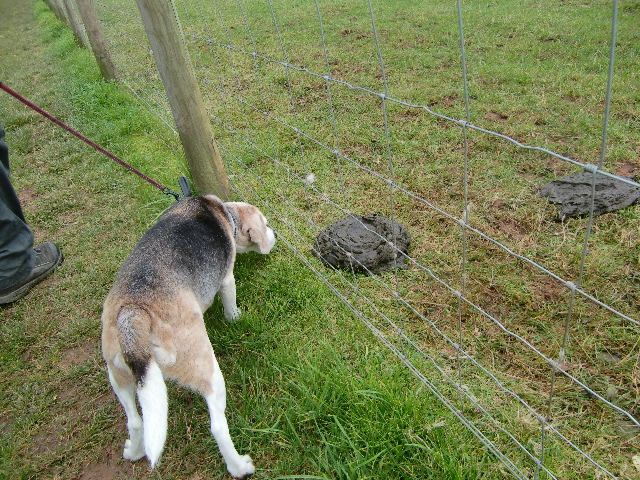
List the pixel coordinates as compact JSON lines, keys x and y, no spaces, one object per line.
{"x":447,"y":118}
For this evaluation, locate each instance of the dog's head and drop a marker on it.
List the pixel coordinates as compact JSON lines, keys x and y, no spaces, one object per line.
{"x":252,"y":234}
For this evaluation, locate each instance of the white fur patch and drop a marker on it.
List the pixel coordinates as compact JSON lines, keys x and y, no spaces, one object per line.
{"x":119,"y":362}
{"x":239,"y":466}
{"x":153,"y":403}
{"x":271,"y":240}
{"x":163,"y":357}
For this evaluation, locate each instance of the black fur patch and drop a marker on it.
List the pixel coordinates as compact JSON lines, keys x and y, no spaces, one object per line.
{"x":189,"y":246}
{"x":138,"y":367}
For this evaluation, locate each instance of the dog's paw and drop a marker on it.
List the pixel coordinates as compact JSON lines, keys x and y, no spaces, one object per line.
{"x":132,"y":452}
{"x":232,"y":314}
{"x":243,"y":468}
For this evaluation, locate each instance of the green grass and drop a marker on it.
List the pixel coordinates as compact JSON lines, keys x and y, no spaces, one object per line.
{"x":310,"y":394}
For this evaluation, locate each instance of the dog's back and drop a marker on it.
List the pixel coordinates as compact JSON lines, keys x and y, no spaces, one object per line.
{"x":188,"y":247}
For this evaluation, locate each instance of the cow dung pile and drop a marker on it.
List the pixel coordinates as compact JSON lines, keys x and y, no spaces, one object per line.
{"x":572,"y":194}
{"x":371,"y":243}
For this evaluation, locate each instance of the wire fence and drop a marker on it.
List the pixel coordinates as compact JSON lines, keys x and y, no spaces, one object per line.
{"x":447,"y":119}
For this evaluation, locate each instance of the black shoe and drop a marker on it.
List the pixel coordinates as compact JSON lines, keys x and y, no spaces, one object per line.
{"x":48,"y":258}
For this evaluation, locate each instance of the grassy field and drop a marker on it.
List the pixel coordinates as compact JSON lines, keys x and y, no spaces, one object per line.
{"x":310,"y":393}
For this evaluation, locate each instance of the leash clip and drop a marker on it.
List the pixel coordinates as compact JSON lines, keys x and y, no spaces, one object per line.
{"x":183,"y":182}
{"x":168,"y":191}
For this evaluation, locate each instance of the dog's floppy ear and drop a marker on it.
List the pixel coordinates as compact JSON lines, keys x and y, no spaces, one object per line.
{"x":252,"y":233}
{"x":258,"y":235}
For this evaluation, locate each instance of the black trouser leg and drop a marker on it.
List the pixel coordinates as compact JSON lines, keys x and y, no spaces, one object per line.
{"x":16,"y":239}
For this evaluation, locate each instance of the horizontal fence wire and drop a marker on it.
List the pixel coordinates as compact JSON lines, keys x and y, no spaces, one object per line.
{"x":496,"y":323}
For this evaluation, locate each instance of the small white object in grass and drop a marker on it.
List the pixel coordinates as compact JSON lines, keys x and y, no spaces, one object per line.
{"x":310,"y":179}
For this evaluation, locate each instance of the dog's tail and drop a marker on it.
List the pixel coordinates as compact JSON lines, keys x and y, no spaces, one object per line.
{"x":152,"y":396}
{"x":134,"y":329}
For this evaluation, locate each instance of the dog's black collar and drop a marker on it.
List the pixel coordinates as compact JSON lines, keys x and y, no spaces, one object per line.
{"x":233,"y":220}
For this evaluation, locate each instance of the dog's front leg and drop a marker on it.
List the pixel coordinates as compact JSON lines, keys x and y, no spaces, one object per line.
{"x":228,"y":297}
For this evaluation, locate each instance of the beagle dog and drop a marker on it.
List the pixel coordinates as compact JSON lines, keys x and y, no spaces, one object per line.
{"x":152,"y":324}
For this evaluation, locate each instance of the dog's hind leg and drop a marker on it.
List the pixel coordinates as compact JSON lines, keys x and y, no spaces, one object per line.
{"x":239,"y":466}
{"x":125,"y":391}
{"x":196,"y":368}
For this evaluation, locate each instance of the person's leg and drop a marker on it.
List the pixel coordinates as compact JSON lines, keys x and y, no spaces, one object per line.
{"x":21,"y":266}
{"x":16,"y":239}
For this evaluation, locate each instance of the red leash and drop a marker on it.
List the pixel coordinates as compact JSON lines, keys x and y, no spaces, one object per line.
{"x":16,"y":95}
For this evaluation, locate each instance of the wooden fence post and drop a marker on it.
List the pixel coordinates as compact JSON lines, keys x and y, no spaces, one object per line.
{"x":56,"y":8}
{"x":74,"y":23}
{"x":98,"y":43}
{"x":161,"y":23}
